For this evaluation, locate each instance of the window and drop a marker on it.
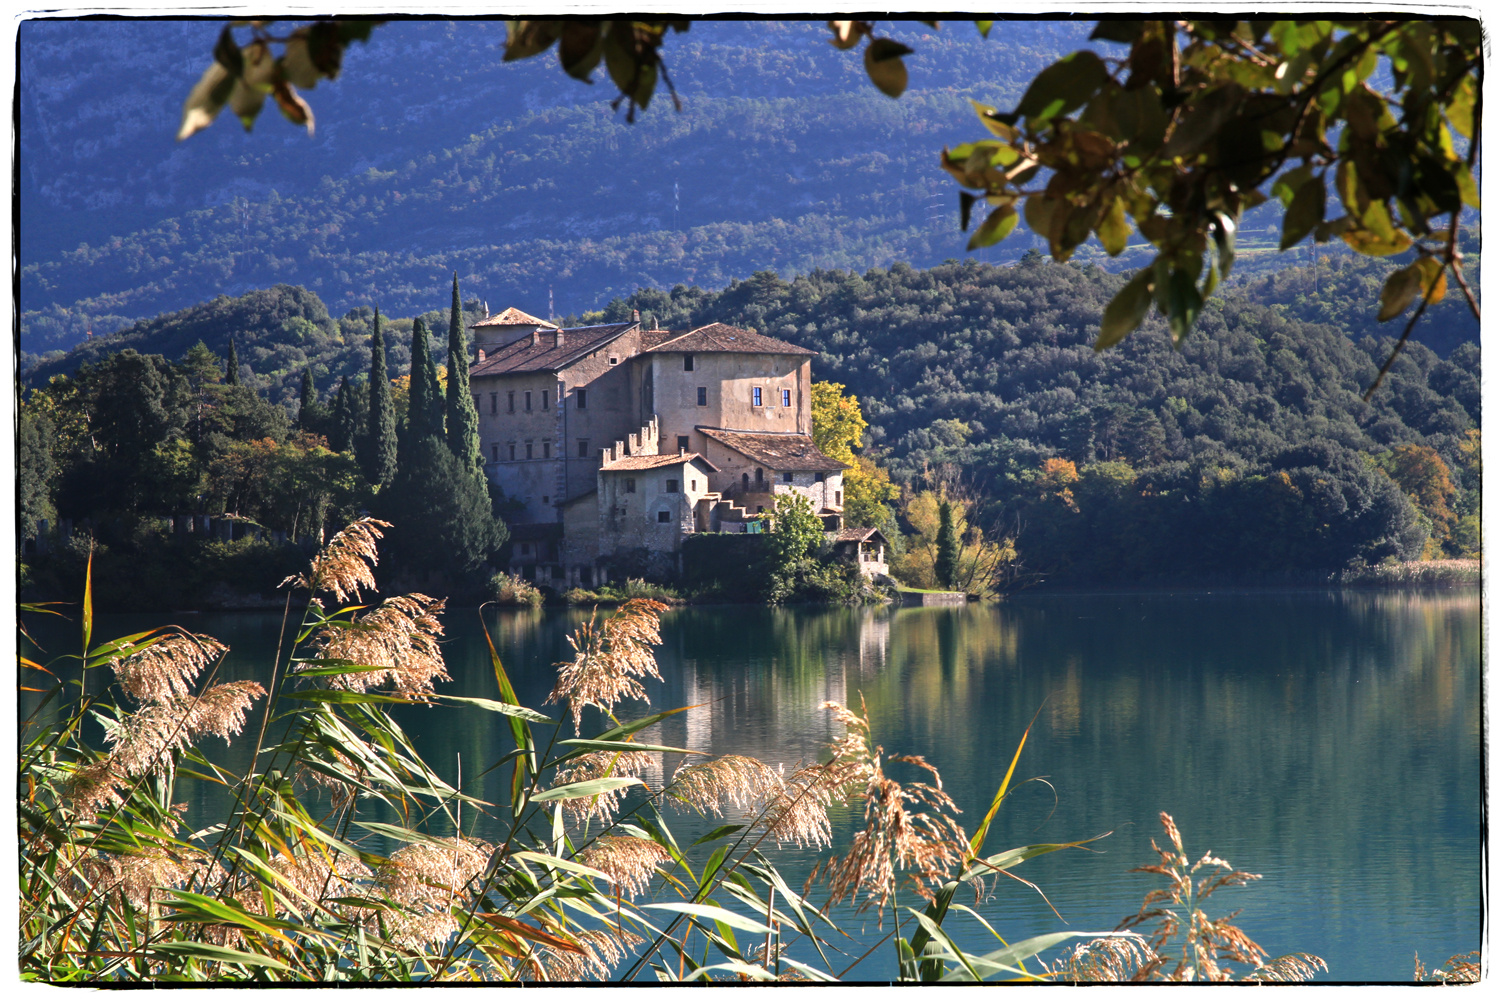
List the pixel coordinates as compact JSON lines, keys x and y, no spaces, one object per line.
{"x":671,"y":486}
{"x":528,"y":449}
{"x":687,"y":362}
{"x":545,"y":394}
{"x":786,"y":397}
{"x":583,"y":399}
{"x":494,"y":453}
{"x":838,"y":497}
{"x":614,"y":359}
{"x":693,"y":484}
{"x":786,"y":477}
{"x":630,"y":486}
{"x":663,"y":517}
{"x":702,"y":395}
{"x":510,"y":402}
{"x":528,"y":401}
{"x":583,"y":447}
{"x":512,"y":451}
{"x":817,"y":477}
{"x":759,"y":509}
{"x":546,"y":449}
{"x":755,"y":396}
{"x":682,"y":442}
{"x":546,"y":499}
{"x":760,"y":475}
{"x":494,"y":403}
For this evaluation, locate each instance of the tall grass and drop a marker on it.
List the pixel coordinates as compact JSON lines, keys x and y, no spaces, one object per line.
{"x":341,"y":855}
{"x":1427,"y":573}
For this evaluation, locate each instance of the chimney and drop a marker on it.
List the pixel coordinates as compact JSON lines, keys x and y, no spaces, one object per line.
{"x":654,"y":324}
{"x":481,"y":356}
{"x":536,"y":337}
{"x":635,"y":314}
{"x":557,"y":336}
{"x":486,"y":308}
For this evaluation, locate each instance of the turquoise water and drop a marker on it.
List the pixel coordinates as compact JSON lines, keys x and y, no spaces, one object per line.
{"x":1328,"y":741}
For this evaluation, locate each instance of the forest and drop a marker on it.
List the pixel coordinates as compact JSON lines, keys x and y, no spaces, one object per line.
{"x":1247,"y":454}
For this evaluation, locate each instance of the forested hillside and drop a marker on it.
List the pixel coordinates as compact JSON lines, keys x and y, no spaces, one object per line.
{"x":1249,"y":450}
{"x":431,"y":155}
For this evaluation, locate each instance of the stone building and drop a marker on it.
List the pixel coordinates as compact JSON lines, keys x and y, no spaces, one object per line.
{"x":614,"y":442}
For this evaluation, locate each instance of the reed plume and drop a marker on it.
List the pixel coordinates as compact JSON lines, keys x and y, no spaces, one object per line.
{"x":346,"y":564}
{"x":907,"y":825}
{"x":166,"y":669}
{"x":599,"y":952}
{"x":400,"y":636}
{"x":608,"y":658}
{"x":713,"y":786}
{"x":1205,"y":944}
{"x":601,"y":764}
{"x":630,"y":862}
{"x":424,"y":879}
{"x":144,"y":741}
{"x":1462,"y":968}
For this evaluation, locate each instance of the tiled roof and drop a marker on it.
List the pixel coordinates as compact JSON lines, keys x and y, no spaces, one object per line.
{"x":521,"y":356}
{"x":858,"y":535}
{"x":513,"y":317}
{"x":719,"y":337}
{"x":778,"y":452}
{"x":638,"y":462}
{"x":651,"y":339}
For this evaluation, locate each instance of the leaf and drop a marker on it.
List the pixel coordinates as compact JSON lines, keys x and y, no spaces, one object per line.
{"x":205,"y":100}
{"x":984,"y":28}
{"x":583,"y":789}
{"x":332,"y":697}
{"x":515,"y":711}
{"x":293,"y":108}
{"x":1461,"y":108}
{"x":88,"y":602}
{"x":995,"y":227}
{"x":1400,"y":289}
{"x":717,"y":834}
{"x":1124,"y":32}
{"x":1125,"y":312}
{"x":215,"y":953}
{"x":1183,"y":305}
{"x":552,"y":861}
{"x":1007,"y":959}
{"x":1434,"y":279}
{"x":1016,"y":855}
{"x":531,"y":933}
{"x":621,"y":747}
{"x":1305,"y":211}
{"x":977,"y":841}
{"x":966,"y":202}
{"x":884,"y":66}
{"x":1371,"y":244}
{"x":1065,"y":85}
{"x":717,"y":913}
{"x":1114,"y":228}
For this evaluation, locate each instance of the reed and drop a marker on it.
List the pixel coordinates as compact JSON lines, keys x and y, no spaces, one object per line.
{"x":306,"y":878}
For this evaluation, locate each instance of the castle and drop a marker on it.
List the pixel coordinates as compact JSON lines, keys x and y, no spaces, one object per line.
{"x":617,"y":442}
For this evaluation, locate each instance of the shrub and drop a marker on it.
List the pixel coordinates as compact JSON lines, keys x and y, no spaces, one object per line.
{"x":513,"y":591}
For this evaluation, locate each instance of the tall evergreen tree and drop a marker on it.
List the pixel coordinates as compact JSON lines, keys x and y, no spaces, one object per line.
{"x":463,"y":421}
{"x":232,"y":369}
{"x":312,"y":416}
{"x":945,"y":566}
{"x":342,"y":438}
{"x":379,"y":458}
{"x":424,"y":416}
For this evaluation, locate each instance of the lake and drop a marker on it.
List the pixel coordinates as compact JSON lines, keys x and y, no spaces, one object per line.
{"x":1329,"y":741}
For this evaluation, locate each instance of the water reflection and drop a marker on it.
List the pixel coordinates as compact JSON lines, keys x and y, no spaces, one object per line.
{"x":1329,"y":741}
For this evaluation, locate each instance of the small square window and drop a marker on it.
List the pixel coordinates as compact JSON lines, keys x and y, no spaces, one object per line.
{"x":663,"y":517}
{"x":693,"y":484}
{"x":786,"y":477}
{"x":671,"y":486}
{"x":583,"y":448}
{"x":614,"y":359}
{"x":687,"y":362}
{"x":786,"y":397}
{"x":702,"y":395}
{"x":755,"y":396}
{"x":583,"y":399}
{"x":629,"y":485}
{"x":682,"y":442}
{"x":817,"y":477}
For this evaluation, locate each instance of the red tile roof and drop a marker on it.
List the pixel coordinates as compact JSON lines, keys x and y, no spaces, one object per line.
{"x":723,"y":338}
{"x":778,"y":452}
{"x":639,"y":462}
{"x":513,"y":317}
{"x":521,"y":356}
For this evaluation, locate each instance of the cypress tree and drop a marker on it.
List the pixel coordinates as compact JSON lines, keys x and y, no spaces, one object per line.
{"x":232,"y":369}
{"x":463,"y":421}
{"x":945,"y":566}
{"x":343,"y":418}
{"x":311,"y":414}
{"x":423,"y":417}
{"x":380,"y":437}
